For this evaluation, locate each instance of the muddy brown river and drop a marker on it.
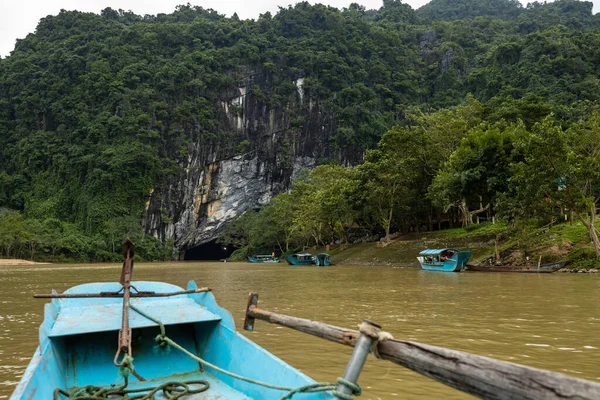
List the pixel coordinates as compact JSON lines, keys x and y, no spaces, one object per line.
{"x":549,"y":321}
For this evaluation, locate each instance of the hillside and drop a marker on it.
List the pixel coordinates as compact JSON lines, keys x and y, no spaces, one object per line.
{"x":450,"y":10}
{"x":166,"y":127}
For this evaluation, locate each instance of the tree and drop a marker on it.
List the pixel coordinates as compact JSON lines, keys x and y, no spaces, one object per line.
{"x":283,"y":208}
{"x":476,"y":172}
{"x":583,"y":183}
{"x":390,"y":173}
{"x":560,"y":168}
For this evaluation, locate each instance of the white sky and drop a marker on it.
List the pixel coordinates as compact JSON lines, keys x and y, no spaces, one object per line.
{"x":20,"y":17}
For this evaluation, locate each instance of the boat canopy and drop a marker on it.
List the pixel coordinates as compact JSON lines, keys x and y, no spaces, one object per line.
{"x":264,"y":256}
{"x":435,"y":252}
{"x":303,"y":255}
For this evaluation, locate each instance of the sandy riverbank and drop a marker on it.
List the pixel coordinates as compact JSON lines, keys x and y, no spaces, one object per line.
{"x":16,"y":261}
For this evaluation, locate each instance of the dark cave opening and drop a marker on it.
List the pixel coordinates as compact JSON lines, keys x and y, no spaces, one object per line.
{"x":209,"y":251}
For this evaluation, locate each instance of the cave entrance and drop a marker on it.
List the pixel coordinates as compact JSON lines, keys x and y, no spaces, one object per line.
{"x":209,"y":251}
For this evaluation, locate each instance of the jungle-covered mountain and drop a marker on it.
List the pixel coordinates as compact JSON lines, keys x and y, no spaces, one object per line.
{"x":107,"y":120}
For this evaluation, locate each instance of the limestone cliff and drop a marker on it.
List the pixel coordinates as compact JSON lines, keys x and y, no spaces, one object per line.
{"x":268,"y":145}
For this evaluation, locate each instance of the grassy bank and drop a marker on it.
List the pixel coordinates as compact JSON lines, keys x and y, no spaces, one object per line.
{"x":520,"y":245}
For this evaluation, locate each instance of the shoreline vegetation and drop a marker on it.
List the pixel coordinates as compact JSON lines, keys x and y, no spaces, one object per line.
{"x":462,"y":111}
{"x":563,"y":242}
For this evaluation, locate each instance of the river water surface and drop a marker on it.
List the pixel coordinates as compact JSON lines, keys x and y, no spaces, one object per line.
{"x":549,"y":321}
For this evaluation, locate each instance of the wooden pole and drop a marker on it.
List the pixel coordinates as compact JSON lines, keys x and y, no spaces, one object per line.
{"x":126,"y":274}
{"x":116,"y":294}
{"x":480,"y":376}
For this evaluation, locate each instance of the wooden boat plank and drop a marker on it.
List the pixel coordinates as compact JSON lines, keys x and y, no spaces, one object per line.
{"x":107,"y":317}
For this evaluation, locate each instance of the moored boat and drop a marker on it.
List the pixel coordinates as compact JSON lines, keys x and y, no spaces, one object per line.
{"x":322,"y":260}
{"x":197,"y":351}
{"x":300,"y":259}
{"x":541,"y":269}
{"x":446,"y":260}
{"x":263,"y":259}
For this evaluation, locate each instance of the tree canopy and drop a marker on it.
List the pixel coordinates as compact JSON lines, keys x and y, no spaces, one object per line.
{"x":99,"y":111}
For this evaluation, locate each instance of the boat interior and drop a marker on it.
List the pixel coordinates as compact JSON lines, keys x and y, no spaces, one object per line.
{"x":79,"y":339}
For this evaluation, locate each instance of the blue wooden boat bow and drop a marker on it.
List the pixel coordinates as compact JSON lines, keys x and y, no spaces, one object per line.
{"x":174,"y":342}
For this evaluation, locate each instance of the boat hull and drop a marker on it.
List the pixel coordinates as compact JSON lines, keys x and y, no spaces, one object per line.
{"x":255,"y":260}
{"x":542,"y":269}
{"x":75,"y":354}
{"x":295,"y":262}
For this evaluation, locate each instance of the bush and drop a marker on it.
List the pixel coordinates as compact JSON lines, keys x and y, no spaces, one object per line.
{"x":582,"y":254}
{"x":583,"y":258}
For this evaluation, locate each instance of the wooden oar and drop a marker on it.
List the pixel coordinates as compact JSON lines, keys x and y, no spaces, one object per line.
{"x":480,"y":376}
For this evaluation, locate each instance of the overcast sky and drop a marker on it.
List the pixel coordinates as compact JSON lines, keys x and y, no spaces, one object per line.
{"x":20,"y":17}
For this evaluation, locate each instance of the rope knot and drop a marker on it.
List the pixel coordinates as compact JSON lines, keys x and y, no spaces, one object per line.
{"x":126,"y":366}
{"x":161,"y":341}
{"x":356,"y":390}
{"x":375,"y":333}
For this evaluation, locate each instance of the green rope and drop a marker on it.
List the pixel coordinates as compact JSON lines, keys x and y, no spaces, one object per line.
{"x":172,"y":391}
{"x":126,"y":366}
{"x":163,"y":340}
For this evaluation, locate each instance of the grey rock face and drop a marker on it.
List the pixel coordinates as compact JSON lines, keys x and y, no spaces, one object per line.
{"x":428,"y":44}
{"x":267,"y":148}
{"x":447,"y":59}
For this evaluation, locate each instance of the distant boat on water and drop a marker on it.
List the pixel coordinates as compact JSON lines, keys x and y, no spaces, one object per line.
{"x":541,"y":269}
{"x":446,"y":260}
{"x":322,"y":260}
{"x":300,"y":259}
{"x":265,"y":258}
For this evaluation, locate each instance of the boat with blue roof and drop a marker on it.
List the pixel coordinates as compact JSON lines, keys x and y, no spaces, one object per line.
{"x":300,"y":259}
{"x":446,"y":260}
{"x":322,"y":260}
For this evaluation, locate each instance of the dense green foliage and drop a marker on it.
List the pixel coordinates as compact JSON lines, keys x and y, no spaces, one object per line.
{"x":96,"y":111}
{"x":528,"y":177}
{"x":448,"y":10}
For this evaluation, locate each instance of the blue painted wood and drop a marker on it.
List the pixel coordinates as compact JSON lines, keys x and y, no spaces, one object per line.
{"x":107,"y":317}
{"x":74,"y":358}
{"x":322,"y":260}
{"x":435,"y":260}
{"x":300,"y":259}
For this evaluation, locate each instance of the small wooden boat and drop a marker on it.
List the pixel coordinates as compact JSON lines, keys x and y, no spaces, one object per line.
{"x":322,"y":260}
{"x":446,"y":260}
{"x":263,"y":259}
{"x":82,"y":327}
{"x":300,"y":259}
{"x":542,"y":269}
